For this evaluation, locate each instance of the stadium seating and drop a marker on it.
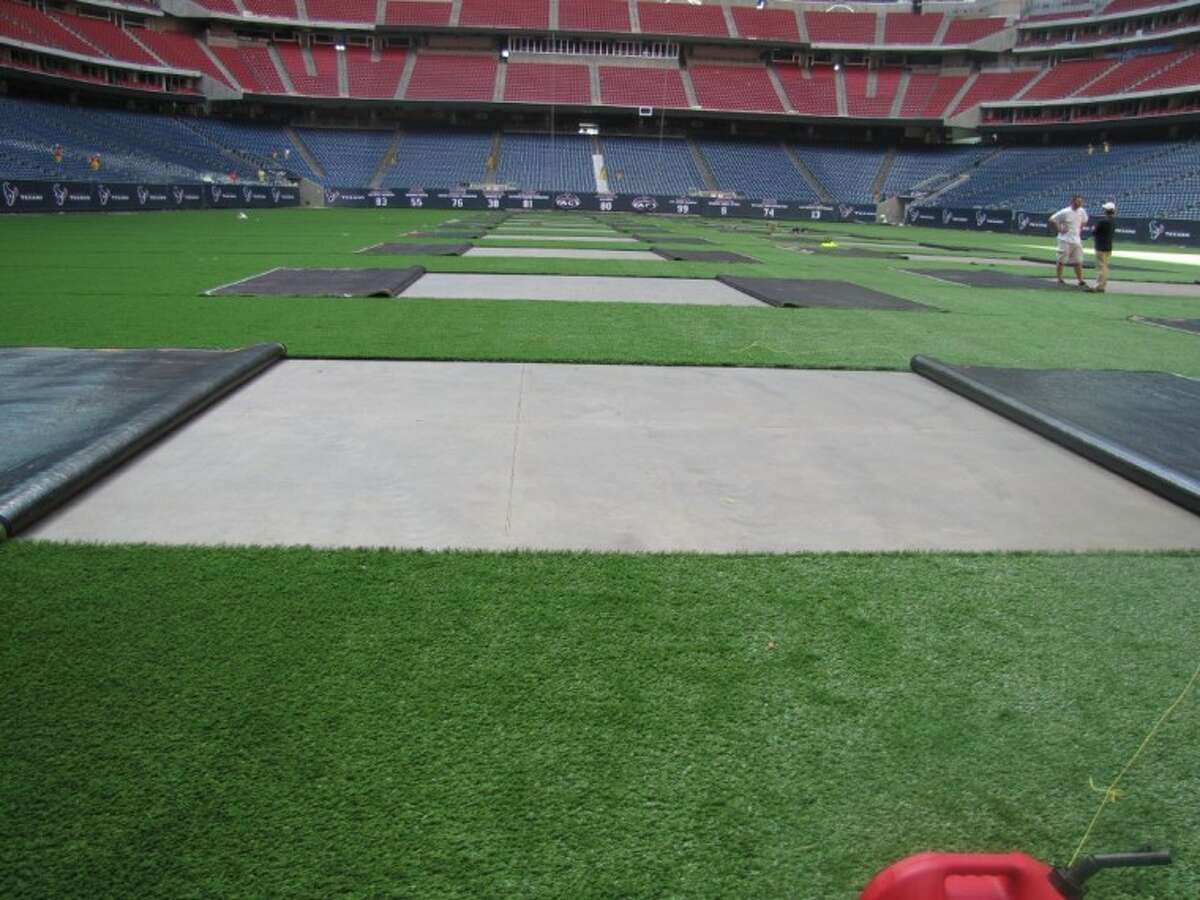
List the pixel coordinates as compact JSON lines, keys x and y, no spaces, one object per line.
{"x":766,"y":24}
{"x":992,"y":86}
{"x":929,"y":93}
{"x":667,"y":18}
{"x":272,"y":9}
{"x":735,"y":87}
{"x":542,"y":162}
{"x":547,"y":83}
{"x":377,"y":78}
{"x":1120,"y":6}
{"x":840,"y":27}
{"x":437,"y":159}
{"x":253,"y":68}
{"x":356,"y":11}
{"x":1144,"y":179}
{"x":268,"y":146}
{"x":106,"y":37}
{"x":417,"y":12}
{"x":1129,"y":74}
{"x":650,"y":166}
{"x":910,"y":28}
{"x":921,"y":171}
{"x":811,"y":92}
{"x":504,"y":13}
{"x":756,"y":169}
{"x":594,"y":15}
{"x":349,"y":158}
{"x":181,"y":51}
{"x":1185,"y":72}
{"x":453,"y":76}
{"x":1067,"y":78}
{"x":967,"y":31}
{"x":638,"y":86}
{"x":35,"y":27}
{"x":879,"y":104}
{"x":847,"y":172}
{"x":135,"y":147}
{"x":324,"y":83}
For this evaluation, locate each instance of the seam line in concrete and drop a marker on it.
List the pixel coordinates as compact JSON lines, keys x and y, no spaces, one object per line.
{"x":512,"y":471}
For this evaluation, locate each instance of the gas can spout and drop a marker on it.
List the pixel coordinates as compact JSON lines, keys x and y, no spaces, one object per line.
{"x":1072,"y":882}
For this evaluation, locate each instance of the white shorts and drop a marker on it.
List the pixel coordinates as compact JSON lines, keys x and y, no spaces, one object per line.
{"x":1071,"y":254}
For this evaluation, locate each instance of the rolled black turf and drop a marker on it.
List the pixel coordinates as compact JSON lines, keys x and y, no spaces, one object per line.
{"x":288,"y":282}
{"x":701,"y":255}
{"x":70,"y":416}
{"x":803,"y":292}
{"x":1188,"y":326}
{"x":1145,"y":426}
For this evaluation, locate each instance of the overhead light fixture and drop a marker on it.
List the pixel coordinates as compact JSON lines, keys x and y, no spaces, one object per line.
{"x":837,"y":67}
{"x":340,"y":47}
{"x":761,"y":4}
{"x":504,"y":53}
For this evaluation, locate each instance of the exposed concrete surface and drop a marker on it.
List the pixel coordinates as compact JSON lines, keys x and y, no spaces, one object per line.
{"x":405,"y":454}
{"x":616,"y":239}
{"x":615,"y":289}
{"x":565,"y":253}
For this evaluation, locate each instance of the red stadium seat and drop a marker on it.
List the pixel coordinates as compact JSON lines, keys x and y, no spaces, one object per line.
{"x":633,"y":86}
{"x":547,"y":83}
{"x":453,"y":76}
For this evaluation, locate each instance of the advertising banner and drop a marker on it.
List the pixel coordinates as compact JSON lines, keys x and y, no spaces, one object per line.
{"x":100,"y":196}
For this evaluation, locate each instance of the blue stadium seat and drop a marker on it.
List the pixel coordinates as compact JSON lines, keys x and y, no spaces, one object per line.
{"x":650,"y":166}
{"x":848,"y":172}
{"x":349,"y":158}
{"x":756,"y":169}
{"x":548,"y":163}
{"x":439,"y":159}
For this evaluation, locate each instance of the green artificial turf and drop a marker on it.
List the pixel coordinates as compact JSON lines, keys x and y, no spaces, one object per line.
{"x":134,"y":281}
{"x":186,"y":722}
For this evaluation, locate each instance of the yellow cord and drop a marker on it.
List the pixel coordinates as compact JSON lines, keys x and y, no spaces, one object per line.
{"x":1111,"y":794}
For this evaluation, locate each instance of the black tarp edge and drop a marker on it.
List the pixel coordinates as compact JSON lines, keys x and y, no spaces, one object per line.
{"x":1162,"y":480}
{"x":37,"y":497}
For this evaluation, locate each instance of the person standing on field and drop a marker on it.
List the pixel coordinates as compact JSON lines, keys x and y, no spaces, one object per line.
{"x":1069,"y":222}
{"x":1103,"y":236}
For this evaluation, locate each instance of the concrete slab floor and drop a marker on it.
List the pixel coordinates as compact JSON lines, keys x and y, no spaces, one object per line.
{"x":564,"y":253}
{"x":622,"y":458}
{"x":587,"y":288}
{"x":492,"y":236}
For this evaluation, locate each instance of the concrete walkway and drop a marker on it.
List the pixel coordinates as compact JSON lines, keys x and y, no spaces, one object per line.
{"x":407,"y":454}
{"x":577,"y":288}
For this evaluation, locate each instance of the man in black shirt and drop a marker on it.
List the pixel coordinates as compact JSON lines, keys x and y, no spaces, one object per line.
{"x":1103,"y":235}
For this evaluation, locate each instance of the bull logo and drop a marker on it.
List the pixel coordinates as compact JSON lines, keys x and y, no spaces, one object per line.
{"x":247,"y":193}
{"x":980,"y":218}
{"x":914,"y":214}
{"x":143,"y":194}
{"x":644,"y":204}
{"x":275,"y":196}
{"x":215,"y":191}
{"x":177,"y":195}
{"x":947,"y":217}
{"x":567,"y":201}
{"x":1157,"y":229}
{"x":103,"y":193}
{"x":60,"y":194}
{"x":846,"y":212}
{"x":12,"y":193}
{"x":1022,"y":222}
{"x":332,"y":196}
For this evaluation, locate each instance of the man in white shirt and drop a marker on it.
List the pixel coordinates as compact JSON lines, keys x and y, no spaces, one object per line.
{"x":1069,"y":222}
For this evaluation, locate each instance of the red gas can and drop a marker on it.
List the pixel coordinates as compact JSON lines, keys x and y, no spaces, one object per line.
{"x":964,"y":876}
